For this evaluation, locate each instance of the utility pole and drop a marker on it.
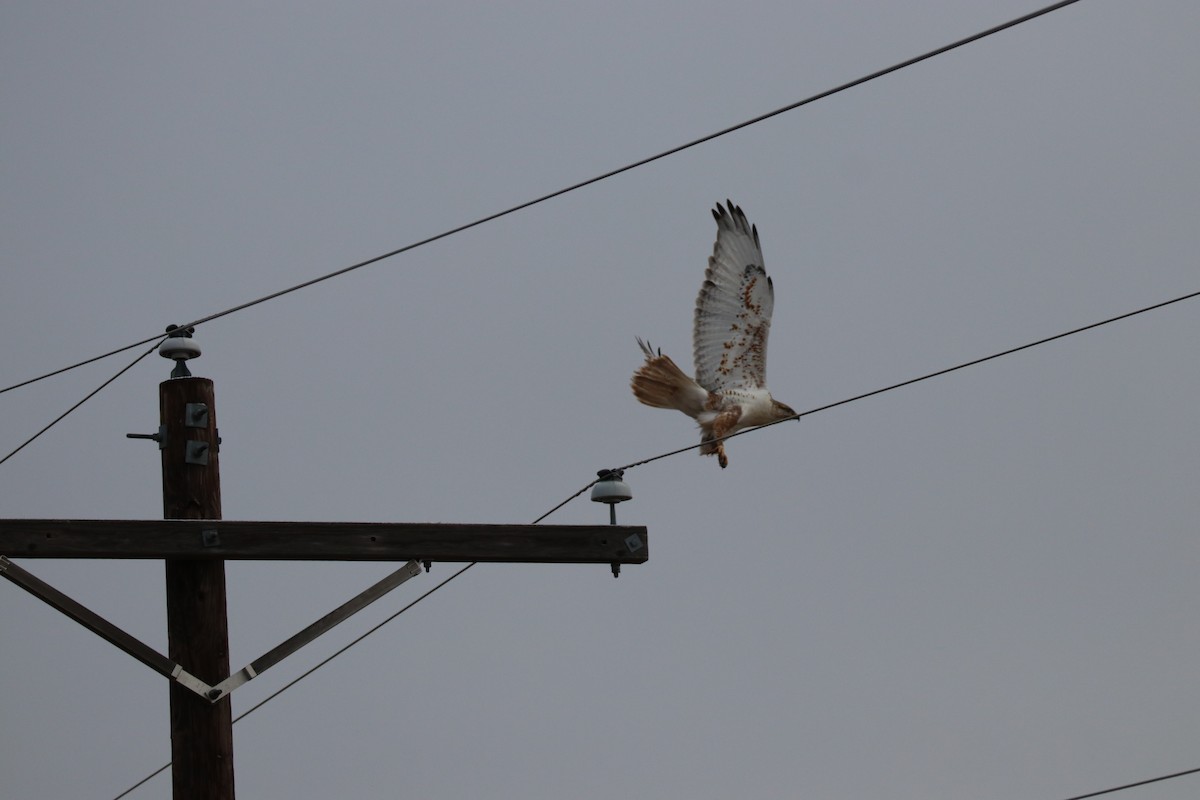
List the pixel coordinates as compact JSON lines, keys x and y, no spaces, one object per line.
{"x":194,"y":541}
{"x":197,"y":624}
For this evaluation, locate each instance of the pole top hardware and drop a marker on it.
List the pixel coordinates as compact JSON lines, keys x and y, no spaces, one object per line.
{"x":160,"y":437}
{"x":179,"y":346}
{"x":610,"y":489}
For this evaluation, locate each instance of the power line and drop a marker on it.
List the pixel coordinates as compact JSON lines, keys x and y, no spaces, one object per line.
{"x":77,"y":364}
{"x":89,"y":396}
{"x":1138,"y":783}
{"x":926,"y":377}
{"x":588,"y":182}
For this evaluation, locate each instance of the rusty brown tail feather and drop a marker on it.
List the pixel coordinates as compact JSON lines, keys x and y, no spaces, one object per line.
{"x":662,"y":384}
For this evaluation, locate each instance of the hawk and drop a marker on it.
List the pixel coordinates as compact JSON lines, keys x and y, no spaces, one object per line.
{"x":729,"y":343}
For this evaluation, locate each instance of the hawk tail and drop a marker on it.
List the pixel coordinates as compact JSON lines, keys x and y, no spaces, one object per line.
{"x":661,"y":384}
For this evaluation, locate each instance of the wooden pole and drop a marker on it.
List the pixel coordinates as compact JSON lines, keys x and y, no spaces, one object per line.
{"x":197,"y":626}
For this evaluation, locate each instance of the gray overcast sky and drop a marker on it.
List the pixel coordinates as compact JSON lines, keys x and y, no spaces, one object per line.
{"x":980,"y":586}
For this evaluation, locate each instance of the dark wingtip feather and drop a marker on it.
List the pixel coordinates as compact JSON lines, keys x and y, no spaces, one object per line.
{"x":732,"y":215}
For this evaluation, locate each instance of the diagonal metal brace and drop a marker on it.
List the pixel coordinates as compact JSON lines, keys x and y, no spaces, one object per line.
{"x":173,"y":671}
{"x":102,"y":627}
{"x":325,"y":623}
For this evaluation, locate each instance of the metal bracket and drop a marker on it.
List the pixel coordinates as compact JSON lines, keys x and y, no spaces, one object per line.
{"x":195,"y":415}
{"x":175,"y":672}
{"x":196,"y":452}
{"x":160,"y":437}
{"x":189,"y":681}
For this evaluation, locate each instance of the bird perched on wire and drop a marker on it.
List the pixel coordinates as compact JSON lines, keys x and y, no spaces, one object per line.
{"x":729,"y":343}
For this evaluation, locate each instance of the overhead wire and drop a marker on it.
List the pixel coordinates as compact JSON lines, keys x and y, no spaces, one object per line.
{"x":1135,"y":784}
{"x":588,"y":182}
{"x":89,"y":396}
{"x":925,"y":377}
{"x":78,"y":364}
{"x":797,"y":416}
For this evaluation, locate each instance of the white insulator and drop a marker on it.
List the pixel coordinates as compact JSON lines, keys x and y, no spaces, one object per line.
{"x":611,"y":490}
{"x":179,"y":348}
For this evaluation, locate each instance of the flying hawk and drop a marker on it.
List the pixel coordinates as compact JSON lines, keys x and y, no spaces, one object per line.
{"x":729,"y":342}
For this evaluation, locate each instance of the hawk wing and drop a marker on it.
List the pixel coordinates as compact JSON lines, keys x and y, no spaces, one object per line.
{"x":733,"y":309}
